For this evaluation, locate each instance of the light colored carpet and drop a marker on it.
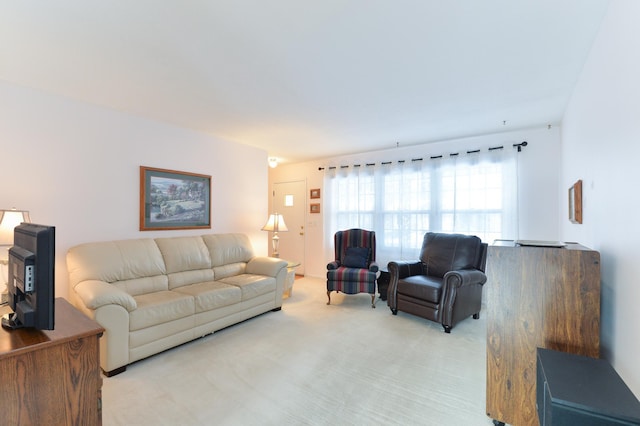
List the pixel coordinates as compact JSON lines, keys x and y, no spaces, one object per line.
{"x":311,"y":364}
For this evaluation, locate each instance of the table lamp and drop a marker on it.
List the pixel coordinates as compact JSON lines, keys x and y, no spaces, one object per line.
{"x":275,"y":224}
{"x":9,"y":219}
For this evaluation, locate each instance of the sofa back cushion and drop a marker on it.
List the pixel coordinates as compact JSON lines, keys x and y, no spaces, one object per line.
{"x":184,"y":253}
{"x":138,"y":286}
{"x":226,"y":249}
{"x":187,"y":260}
{"x":114,"y":261}
{"x":180,"y":279}
{"x":230,"y":270}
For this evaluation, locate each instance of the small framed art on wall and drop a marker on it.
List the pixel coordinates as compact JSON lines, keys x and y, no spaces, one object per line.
{"x":575,"y":202}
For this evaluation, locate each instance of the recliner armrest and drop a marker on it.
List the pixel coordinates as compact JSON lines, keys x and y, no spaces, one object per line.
{"x":403,"y":269}
{"x":464,"y":277}
{"x":398,"y":270}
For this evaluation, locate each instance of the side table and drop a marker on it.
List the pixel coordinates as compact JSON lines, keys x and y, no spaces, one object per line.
{"x":291,"y":277}
{"x":383,"y":283}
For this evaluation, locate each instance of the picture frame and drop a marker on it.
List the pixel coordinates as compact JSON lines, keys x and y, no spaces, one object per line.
{"x":314,"y":208}
{"x":171,"y":199}
{"x":575,"y":202}
{"x":314,"y":193}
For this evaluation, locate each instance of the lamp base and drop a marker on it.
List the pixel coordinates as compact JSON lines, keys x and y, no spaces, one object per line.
{"x":4,"y":296}
{"x":275,"y":240}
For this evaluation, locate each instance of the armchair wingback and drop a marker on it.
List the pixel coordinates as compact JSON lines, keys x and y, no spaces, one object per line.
{"x":354,"y":269}
{"x":445,"y":285}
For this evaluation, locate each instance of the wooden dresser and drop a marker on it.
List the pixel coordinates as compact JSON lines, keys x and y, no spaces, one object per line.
{"x":545,"y":297}
{"x":52,"y":377}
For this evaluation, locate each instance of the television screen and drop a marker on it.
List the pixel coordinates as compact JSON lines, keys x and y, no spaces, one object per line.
{"x":31,"y":289}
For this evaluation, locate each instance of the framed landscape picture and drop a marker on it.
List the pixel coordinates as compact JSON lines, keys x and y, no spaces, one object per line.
{"x":170,"y":199}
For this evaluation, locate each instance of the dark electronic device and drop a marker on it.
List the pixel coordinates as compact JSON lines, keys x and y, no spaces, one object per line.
{"x":31,"y":289}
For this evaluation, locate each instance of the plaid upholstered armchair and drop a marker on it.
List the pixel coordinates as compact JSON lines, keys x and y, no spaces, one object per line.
{"x":354,"y":269}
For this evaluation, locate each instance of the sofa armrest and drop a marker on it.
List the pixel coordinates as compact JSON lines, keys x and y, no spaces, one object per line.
{"x":373,"y":267}
{"x":262,"y":265}
{"x":95,"y":294}
{"x":109,"y":306}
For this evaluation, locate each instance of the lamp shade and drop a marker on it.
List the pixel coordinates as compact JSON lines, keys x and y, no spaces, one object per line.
{"x":9,"y":219}
{"x":275,"y":223}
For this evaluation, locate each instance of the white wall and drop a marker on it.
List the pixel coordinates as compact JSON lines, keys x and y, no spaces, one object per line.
{"x":601,"y":146}
{"x":76,"y":166}
{"x":539,"y":165}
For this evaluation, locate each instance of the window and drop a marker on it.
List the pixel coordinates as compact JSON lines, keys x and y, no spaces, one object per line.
{"x":471,"y":194}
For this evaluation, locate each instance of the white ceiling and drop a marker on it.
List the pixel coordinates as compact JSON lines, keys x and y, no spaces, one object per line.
{"x":308,"y":79}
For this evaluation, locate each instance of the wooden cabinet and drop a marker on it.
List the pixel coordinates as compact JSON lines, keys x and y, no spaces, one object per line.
{"x":536,"y":296}
{"x":52,"y":377}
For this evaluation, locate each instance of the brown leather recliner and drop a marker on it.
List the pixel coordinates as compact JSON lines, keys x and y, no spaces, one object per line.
{"x":445,"y":285}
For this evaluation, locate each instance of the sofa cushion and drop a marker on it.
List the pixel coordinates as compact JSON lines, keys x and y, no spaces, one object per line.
{"x":251,"y":285}
{"x":114,"y":261}
{"x":225,"y":249}
{"x":220,"y":272}
{"x":421,"y":287}
{"x":179,"y":279}
{"x":212,"y":295}
{"x":160,"y":307}
{"x":138,"y":286}
{"x":184,"y":253}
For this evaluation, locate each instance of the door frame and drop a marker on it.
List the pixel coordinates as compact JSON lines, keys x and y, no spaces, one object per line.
{"x":300,"y":212}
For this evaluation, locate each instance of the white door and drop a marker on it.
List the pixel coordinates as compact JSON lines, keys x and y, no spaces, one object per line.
{"x":289,"y":199}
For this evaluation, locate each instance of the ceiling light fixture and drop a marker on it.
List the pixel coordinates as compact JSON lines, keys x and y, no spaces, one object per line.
{"x":273,"y":162}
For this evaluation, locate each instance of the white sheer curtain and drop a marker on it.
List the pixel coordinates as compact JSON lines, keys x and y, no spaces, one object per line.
{"x":480,"y":195}
{"x":350,"y":201}
{"x":471,"y":193}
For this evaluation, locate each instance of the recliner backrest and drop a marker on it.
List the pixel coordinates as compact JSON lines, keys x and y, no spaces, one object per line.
{"x":442,"y":253}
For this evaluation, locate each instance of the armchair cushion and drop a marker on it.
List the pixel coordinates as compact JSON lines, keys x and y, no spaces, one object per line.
{"x":345,"y":275}
{"x":356,"y":257}
{"x":422,"y":287}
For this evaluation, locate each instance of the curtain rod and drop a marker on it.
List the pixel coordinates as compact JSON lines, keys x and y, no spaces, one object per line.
{"x":519,"y":146}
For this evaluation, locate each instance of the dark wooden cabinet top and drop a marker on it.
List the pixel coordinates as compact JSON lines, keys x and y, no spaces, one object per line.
{"x":52,"y":377}
{"x":70,"y":324}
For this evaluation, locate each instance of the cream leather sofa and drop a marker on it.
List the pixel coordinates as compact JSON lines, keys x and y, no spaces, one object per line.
{"x":153,"y":294}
